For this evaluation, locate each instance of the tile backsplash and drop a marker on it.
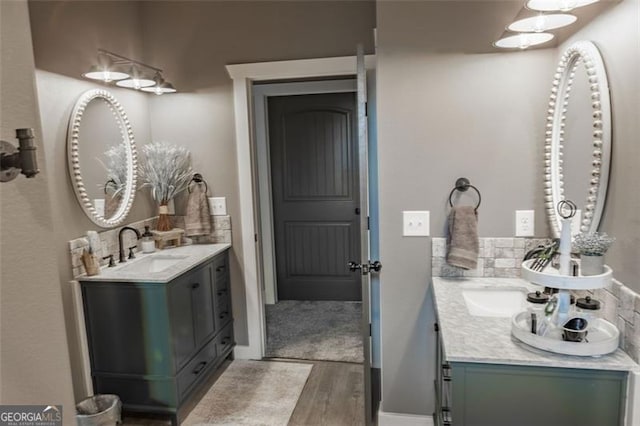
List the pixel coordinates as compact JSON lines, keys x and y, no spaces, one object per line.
{"x":501,"y":258}
{"x":221,"y":233}
{"x":497,"y":257}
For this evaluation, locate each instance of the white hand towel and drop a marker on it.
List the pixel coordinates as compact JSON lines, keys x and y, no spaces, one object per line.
{"x":463,"y":238}
{"x":197,"y":221}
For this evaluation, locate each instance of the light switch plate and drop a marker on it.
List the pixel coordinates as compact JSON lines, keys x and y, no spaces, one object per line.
{"x":218,"y":206}
{"x":415,"y":223}
{"x":525,"y":223}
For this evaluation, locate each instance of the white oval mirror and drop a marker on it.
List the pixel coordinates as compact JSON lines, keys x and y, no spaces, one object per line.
{"x":578,"y":137}
{"x":102,"y":158}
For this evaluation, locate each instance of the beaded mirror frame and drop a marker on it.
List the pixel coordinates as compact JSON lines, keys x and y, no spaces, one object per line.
{"x":580,"y":53}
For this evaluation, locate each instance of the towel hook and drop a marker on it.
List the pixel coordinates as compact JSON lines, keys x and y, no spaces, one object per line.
{"x":197,"y":178}
{"x":462,"y":185}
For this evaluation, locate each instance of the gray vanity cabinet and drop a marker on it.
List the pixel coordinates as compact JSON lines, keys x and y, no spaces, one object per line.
{"x":479,"y":394}
{"x":154,"y":344}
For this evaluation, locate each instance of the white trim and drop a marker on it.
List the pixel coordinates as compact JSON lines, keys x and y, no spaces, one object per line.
{"x":243,"y":75}
{"x":399,"y":419}
{"x":261,"y":94}
{"x":81,"y":333}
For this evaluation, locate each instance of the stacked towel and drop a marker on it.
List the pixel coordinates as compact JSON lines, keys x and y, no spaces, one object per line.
{"x":197,"y":221}
{"x":463,"y":238}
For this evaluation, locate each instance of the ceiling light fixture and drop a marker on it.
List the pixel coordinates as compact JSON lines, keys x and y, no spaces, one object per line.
{"x":523,"y":40}
{"x":110,"y":68}
{"x":553,"y":5}
{"x":542,"y":22}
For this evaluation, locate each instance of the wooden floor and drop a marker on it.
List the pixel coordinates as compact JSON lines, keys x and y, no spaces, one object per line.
{"x":332,"y":396}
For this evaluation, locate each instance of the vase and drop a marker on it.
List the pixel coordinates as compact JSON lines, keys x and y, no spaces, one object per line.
{"x":591,"y":264}
{"x":164,"y":220}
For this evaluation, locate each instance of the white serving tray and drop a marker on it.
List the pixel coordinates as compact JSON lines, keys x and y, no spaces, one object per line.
{"x":551,"y":277}
{"x":602,"y":337}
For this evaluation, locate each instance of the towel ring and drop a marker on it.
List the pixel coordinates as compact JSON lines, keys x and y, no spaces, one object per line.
{"x":462,"y":185}
{"x":106,"y":185}
{"x":197,"y":178}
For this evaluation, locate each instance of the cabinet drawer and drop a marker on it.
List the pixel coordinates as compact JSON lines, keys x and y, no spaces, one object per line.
{"x":196,"y":368}
{"x":220,"y":266}
{"x":225,"y":339}
{"x":223,"y":313}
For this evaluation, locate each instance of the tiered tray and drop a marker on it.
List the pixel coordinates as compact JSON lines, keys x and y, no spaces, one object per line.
{"x":602,"y":338}
{"x":550,"y":277}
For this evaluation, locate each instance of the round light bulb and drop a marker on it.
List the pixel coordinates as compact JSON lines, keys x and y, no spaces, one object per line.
{"x":524,"y":41}
{"x":540,"y":24}
{"x":158,"y":90}
{"x":566,"y":5}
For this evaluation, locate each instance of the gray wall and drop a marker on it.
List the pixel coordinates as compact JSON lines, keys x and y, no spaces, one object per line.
{"x":441,"y":116}
{"x":192,"y":42}
{"x":57,"y":96}
{"x":34,"y":365}
{"x":215,"y":34}
{"x":617,"y":35}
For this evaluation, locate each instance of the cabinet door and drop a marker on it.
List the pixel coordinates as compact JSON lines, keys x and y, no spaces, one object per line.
{"x":184,"y":336}
{"x":192,"y":316}
{"x":201,"y":282}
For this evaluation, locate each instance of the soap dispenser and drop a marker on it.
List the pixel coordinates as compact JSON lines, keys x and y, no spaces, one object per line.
{"x":148,"y":242}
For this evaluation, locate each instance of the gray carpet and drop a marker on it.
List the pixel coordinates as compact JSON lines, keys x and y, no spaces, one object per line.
{"x":252,"y":393}
{"x":315,"y":330}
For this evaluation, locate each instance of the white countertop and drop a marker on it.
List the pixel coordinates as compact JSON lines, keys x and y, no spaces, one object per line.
{"x":468,"y":338}
{"x":195,"y":255}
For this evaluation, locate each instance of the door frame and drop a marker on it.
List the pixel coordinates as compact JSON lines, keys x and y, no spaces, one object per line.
{"x":261,"y":94}
{"x":243,"y":76}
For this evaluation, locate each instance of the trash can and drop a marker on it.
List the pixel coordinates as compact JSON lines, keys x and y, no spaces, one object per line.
{"x":99,"y":410}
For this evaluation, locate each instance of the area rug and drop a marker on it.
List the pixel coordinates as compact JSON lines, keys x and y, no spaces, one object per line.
{"x":315,"y":330}
{"x":252,"y":393}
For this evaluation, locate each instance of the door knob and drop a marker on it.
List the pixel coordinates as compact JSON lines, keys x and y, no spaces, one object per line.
{"x":374,"y":266}
{"x":353,"y":266}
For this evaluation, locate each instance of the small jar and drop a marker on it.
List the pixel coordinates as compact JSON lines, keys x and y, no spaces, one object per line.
{"x":148,"y":242}
{"x":588,"y":307}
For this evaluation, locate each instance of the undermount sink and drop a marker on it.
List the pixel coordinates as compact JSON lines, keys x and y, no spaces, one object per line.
{"x":153,"y":263}
{"x":495,"y":301}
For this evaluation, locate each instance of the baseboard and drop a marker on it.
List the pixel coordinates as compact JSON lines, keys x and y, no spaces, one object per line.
{"x":399,"y":419}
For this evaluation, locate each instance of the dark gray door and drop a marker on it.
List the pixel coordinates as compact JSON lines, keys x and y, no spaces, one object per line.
{"x":316,"y":202}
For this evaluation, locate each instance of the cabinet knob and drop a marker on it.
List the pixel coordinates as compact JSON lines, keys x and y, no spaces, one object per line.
{"x":220,"y":269}
{"x":199,"y":367}
{"x":221,"y":292}
{"x":195,"y":285}
{"x":223,"y":315}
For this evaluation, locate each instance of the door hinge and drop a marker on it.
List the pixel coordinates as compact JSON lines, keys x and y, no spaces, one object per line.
{"x":255,"y":237}
{"x":366,"y":109}
{"x":368,"y":223}
{"x":435,"y":327}
{"x":370,"y":329}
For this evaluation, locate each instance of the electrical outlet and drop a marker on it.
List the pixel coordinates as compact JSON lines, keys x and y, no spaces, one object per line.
{"x":415,"y":223}
{"x":218,"y":206}
{"x":525,"y":223}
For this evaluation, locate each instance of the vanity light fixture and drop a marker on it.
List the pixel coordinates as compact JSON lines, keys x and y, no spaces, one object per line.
{"x":160,"y":86}
{"x":542,"y":22}
{"x":105,"y":70}
{"x":523,"y":40}
{"x":111,"y":68}
{"x":137,"y":80}
{"x":553,"y":5}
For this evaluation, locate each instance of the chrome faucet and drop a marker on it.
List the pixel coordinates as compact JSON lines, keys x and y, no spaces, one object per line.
{"x":125,"y":228}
